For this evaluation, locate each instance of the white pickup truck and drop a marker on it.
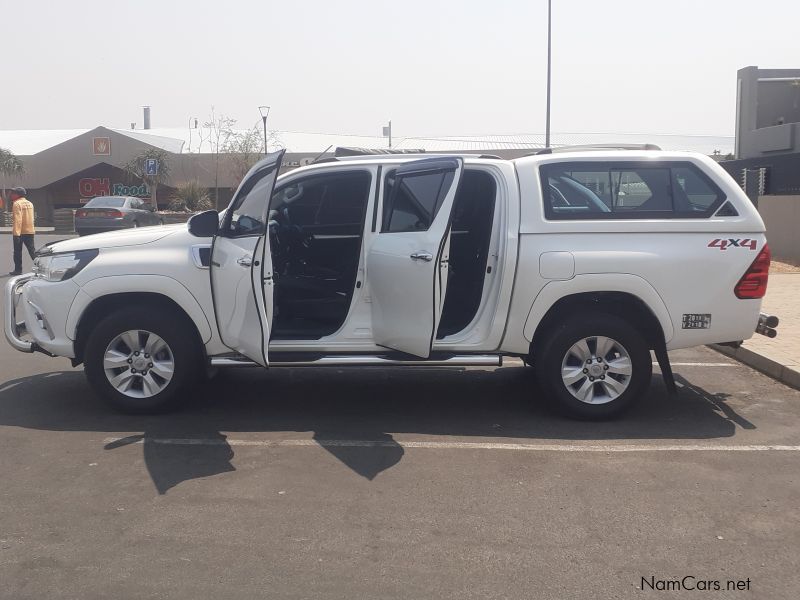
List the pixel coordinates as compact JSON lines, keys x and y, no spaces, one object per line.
{"x":578,"y":262}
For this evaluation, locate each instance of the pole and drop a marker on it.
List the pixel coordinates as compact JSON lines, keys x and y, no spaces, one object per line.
{"x":153,"y":190}
{"x":547,"y":118}
{"x":390,"y":134}
{"x":264,"y":118}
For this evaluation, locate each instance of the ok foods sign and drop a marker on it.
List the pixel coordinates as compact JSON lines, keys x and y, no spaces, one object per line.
{"x":101,"y":146}
{"x":89,"y":187}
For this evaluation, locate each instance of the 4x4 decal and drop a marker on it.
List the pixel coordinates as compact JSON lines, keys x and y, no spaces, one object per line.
{"x":732,"y":243}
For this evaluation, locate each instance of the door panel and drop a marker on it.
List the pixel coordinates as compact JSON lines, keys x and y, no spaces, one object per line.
{"x":316,"y":234}
{"x":241,"y":265}
{"x":407,"y":264}
{"x":239,"y":316}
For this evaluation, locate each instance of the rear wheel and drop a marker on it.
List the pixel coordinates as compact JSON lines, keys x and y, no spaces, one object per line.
{"x":141,"y":361}
{"x":594,"y":366}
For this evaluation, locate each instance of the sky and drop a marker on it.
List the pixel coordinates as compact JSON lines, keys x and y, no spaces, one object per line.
{"x":434,"y":67}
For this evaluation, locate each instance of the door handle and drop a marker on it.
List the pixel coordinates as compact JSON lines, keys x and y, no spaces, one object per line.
{"x":426,"y":256}
{"x":245,"y":261}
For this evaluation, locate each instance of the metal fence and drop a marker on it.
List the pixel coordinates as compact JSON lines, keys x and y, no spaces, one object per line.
{"x":774,"y":176}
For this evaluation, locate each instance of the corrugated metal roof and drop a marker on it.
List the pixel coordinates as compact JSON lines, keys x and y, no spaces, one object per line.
{"x":693,"y":143}
{"x":25,"y":142}
{"x":309,"y":142}
{"x":168,"y":143}
{"x":201,"y":140}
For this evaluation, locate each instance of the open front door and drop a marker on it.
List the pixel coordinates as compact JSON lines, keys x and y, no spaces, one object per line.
{"x":407,"y":264}
{"x":241,"y":265}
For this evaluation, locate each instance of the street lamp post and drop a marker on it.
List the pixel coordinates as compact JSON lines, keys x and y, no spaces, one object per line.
{"x":264,"y":110}
{"x":547,"y":117}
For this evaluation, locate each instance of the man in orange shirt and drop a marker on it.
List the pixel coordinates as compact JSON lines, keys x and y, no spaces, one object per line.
{"x":22,"y":214}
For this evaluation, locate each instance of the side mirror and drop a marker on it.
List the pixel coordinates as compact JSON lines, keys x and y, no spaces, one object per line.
{"x":204,"y":224}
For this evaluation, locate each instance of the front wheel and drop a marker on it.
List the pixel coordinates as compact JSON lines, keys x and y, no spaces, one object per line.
{"x":142,"y":360}
{"x":594,"y":366}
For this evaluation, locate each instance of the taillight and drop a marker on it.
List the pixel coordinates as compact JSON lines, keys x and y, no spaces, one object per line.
{"x":114,"y":214}
{"x":753,"y":283}
{"x":79,"y":214}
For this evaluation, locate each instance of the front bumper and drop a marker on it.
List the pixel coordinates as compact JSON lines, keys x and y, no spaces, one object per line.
{"x":13,"y":328}
{"x":35,"y":315}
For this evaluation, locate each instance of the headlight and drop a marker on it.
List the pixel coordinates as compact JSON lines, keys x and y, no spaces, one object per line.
{"x":60,"y":267}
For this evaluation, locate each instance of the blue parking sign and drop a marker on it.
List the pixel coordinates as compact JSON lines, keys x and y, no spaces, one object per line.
{"x":151,"y":166}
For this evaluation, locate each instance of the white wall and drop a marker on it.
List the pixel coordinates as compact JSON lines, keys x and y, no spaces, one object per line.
{"x":781,"y":215}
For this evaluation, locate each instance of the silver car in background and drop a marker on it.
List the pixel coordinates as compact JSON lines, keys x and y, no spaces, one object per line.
{"x":107,"y":213}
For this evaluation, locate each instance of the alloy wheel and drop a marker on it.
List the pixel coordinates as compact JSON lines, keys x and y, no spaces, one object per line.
{"x":596,"y":369}
{"x":138,"y":363}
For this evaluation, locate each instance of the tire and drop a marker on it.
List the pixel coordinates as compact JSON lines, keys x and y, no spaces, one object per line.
{"x":619,"y":372}
{"x":154,"y":388}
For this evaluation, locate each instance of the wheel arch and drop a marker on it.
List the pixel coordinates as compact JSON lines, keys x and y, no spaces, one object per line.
{"x":625,"y":305}
{"x":100,"y":296}
{"x":104,"y":305}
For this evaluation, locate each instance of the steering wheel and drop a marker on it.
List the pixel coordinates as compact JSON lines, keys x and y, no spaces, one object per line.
{"x":295,"y":234}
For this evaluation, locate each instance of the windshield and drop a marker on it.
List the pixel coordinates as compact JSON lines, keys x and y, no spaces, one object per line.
{"x":106,"y":202}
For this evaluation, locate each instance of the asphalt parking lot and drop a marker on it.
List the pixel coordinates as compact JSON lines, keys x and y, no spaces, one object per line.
{"x":377,"y":483}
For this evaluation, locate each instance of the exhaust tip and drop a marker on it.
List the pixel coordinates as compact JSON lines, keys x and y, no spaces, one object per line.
{"x":768,"y":320}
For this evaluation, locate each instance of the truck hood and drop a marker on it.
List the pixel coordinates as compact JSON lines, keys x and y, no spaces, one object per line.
{"x":117,"y":239}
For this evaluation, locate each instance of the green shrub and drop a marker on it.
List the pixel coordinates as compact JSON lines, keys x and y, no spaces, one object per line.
{"x":190,"y":197}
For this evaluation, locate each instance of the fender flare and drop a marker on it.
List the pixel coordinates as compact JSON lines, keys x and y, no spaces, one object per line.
{"x":153,"y":284}
{"x":597,"y":282}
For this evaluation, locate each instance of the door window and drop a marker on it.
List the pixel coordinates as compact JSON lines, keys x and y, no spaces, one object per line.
{"x":324,"y":200}
{"x":249,"y":208}
{"x":413,"y":199}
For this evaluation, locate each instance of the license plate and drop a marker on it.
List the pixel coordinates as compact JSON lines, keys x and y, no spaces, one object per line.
{"x":696,"y":321}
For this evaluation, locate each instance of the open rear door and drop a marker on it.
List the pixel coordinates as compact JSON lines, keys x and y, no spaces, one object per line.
{"x":407,"y":264}
{"x":241,"y":265}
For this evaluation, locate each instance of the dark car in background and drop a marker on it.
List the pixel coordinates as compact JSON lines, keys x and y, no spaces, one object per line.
{"x":107,"y":213}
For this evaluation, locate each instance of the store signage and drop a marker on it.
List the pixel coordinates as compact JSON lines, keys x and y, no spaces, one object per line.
{"x":101,"y":146}
{"x":89,"y":187}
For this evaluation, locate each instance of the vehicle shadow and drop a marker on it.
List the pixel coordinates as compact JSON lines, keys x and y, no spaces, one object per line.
{"x":369,"y":405}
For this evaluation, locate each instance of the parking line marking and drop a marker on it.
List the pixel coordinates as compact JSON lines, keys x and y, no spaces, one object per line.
{"x":699,"y":364}
{"x":445,"y":445}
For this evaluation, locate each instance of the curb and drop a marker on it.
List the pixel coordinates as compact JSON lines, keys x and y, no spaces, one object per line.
{"x":767,"y":366}
{"x":9,"y":231}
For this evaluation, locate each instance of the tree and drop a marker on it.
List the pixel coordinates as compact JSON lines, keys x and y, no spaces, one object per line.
{"x":10,"y":166}
{"x":245,"y":148}
{"x":220,"y":130}
{"x":136,"y":170}
{"x":241,"y":149}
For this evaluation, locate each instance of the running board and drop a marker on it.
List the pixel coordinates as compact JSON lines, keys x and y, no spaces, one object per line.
{"x":478,"y":360}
